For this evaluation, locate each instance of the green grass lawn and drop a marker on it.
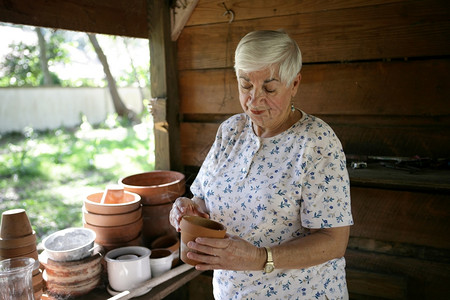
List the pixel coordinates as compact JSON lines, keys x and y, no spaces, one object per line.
{"x":49,"y":173}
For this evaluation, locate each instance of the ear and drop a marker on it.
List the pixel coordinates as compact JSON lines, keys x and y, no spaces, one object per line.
{"x":295,"y":84}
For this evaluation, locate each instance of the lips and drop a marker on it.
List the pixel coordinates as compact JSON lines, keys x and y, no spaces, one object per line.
{"x":257,"y":110}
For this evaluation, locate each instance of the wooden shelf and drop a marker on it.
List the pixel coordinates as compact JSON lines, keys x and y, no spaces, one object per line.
{"x":381,"y":176}
{"x":156,"y":293}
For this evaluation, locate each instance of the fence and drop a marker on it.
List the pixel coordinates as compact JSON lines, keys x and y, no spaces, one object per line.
{"x":53,"y":107}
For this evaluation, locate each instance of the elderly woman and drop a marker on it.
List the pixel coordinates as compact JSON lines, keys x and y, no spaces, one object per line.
{"x":276,"y":177}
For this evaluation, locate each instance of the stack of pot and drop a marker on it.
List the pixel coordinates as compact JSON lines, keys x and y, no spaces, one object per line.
{"x":17,"y":239}
{"x":72,"y":262}
{"x":116,"y":217}
{"x":158,"y":191}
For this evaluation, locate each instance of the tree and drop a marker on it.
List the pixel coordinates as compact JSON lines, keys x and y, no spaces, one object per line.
{"x":43,"y":55}
{"x":23,"y":66}
{"x":120,"y":108}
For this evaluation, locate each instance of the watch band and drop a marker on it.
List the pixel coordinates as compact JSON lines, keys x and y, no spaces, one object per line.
{"x":269,"y":254}
{"x":269,"y":266}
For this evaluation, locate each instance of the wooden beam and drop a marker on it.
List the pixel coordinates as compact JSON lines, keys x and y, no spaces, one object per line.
{"x":164,"y":88}
{"x":180,"y":15}
{"x":116,"y":17}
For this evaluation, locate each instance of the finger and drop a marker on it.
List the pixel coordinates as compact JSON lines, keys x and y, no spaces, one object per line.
{"x":213,"y":242}
{"x":212,"y":261}
{"x":201,"y":248}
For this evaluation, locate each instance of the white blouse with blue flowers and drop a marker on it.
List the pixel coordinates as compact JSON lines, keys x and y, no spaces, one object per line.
{"x":272,"y":190}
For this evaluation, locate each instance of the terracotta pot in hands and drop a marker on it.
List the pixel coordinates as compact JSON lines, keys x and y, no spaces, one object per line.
{"x":193,"y":227}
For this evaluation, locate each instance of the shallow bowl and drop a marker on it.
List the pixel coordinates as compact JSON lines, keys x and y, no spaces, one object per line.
{"x":113,"y":219}
{"x":70,"y":244}
{"x":155,"y":187}
{"x":131,"y":202}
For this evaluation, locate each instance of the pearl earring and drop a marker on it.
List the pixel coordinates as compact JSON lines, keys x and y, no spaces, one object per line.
{"x":292,"y":107}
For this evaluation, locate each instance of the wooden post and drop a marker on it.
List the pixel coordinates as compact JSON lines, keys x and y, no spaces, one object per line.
{"x":164,"y":88}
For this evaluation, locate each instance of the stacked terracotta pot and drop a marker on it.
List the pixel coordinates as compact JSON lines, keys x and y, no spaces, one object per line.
{"x":158,"y":191}
{"x":117,"y":221}
{"x":72,"y":278}
{"x":17,"y":239}
{"x":72,"y":262}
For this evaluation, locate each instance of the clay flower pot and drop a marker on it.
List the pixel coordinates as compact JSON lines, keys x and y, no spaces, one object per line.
{"x":155,"y":187}
{"x":15,"y":224}
{"x":116,"y":234}
{"x":19,"y":251}
{"x":193,"y":227}
{"x":169,"y":242}
{"x":113,"y":219}
{"x":18,"y":242}
{"x":130,"y":202}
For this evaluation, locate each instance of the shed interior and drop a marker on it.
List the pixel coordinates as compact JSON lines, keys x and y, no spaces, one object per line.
{"x":377,"y":71}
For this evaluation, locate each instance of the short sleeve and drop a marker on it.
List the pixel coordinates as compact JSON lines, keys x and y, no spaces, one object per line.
{"x":326,"y":187}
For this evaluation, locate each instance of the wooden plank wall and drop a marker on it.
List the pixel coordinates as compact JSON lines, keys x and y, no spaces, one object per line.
{"x":378,"y":72}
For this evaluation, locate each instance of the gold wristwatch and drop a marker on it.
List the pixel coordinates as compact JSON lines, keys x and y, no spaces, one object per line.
{"x":269,"y":266}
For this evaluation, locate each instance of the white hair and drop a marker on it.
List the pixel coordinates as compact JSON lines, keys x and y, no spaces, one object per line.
{"x":264,"y":49}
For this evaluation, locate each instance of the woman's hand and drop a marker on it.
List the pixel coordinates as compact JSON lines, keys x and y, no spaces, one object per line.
{"x":230,"y":253}
{"x":187,"y":207}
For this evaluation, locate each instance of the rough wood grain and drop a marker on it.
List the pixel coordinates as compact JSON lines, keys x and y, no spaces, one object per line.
{"x":424,"y":278}
{"x":374,"y":88}
{"x":399,"y":216}
{"x":407,"y":29}
{"x":212,"y":11}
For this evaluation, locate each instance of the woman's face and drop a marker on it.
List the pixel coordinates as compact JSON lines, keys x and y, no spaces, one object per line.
{"x":266,"y":100}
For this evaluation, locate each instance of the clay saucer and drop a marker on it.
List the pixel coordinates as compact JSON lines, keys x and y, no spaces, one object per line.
{"x":130,"y":202}
{"x":155,"y":187}
{"x":15,"y":224}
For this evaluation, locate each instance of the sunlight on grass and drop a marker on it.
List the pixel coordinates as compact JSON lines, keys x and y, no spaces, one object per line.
{"x":50,"y":173}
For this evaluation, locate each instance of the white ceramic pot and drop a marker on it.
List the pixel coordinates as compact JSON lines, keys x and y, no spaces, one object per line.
{"x":128,"y":267}
{"x":160,"y":261}
{"x":70,"y":244}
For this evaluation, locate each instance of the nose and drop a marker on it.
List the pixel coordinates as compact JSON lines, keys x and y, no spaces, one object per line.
{"x":256,"y":95}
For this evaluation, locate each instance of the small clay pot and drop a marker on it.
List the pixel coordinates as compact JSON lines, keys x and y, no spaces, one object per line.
{"x":155,"y":187}
{"x":130,"y":202}
{"x":15,"y":224}
{"x":33,"y":254}
{"x":112,"y":220}
{"x":193,"y":227}
{"x":116,"y":234}
{"x":170,"y":242}
{"x":18,"y":242}
{"x":19,"y":251}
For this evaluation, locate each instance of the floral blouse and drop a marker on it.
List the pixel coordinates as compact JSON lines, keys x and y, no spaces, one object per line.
{"x":272,"y":190}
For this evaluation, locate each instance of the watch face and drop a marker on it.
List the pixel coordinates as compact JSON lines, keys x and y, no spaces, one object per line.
{"x":268,"y":268}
